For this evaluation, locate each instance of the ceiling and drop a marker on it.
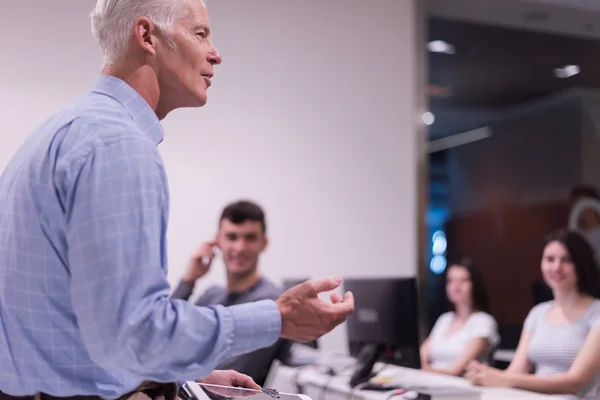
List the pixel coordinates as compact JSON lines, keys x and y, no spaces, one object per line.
{"x":568,"y":17}
{"x":506,"y":52}
{"x":593,"y":5}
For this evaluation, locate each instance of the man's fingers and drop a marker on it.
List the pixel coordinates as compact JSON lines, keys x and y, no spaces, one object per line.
{"x":335,"y":298}
{"x":302,"y":306}
{"x":338,"y":312}
{"x":241,"y":380}
{"x":347,"y":305}
{"x":349,"y":298}
{"x":325,"y":285}
{"x":341,"y":308}
{"x":206,"y":260}
{"x":252,"y":385}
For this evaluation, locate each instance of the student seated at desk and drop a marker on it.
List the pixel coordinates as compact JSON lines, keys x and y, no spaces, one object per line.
{"x":466,"y":333}
{"x":559,"y":349}
{"x":241,"y":238}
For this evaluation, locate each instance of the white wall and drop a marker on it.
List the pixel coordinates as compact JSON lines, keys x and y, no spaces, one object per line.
{"x":312,"y":114}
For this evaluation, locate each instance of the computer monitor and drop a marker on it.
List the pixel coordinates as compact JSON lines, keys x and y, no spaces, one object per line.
{"x":289,"y":283}
{"x":385,"y":324}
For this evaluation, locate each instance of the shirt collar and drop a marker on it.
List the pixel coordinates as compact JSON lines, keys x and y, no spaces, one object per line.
{"x":136,"y":106}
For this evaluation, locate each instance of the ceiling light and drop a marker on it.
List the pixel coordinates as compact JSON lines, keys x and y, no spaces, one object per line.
{"x":428,"y":118}
{"x":439,"y":46}
{"x":567,"y":71}
{"x":458,"y":139}
{"x":437,"y":265}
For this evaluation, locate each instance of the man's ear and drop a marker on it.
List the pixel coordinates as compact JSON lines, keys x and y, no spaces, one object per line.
{"x":217,"y":241}
{"x":266,"y":242}
{"x":145,"y":35}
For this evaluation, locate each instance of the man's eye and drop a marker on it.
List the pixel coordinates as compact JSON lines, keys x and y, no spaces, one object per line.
{"x":201,"y":34}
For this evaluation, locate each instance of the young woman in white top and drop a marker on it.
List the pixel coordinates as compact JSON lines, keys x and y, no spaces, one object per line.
{"x":466,"y":333}
{"x":559,"y":349}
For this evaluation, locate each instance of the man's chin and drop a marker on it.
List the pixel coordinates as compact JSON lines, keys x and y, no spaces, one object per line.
{"x":236,"y":271}
{"x":201,"y":97}
{"x":240,"y":272}
{"x":198,"y":102}
{"x":194,"y":99}
{"x":202,"y":101}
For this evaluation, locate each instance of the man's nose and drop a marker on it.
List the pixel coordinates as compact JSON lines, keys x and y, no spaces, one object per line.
{"x":239,"y":245}
{"x":214,"y":57}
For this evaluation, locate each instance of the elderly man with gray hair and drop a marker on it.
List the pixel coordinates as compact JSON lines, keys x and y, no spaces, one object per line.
{"x":85,"y":310}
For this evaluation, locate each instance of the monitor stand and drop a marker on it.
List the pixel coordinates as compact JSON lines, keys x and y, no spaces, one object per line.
{"x":366,"y":359}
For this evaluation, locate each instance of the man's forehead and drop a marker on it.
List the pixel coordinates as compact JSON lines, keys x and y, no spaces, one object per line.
{"x":199,"y":14}
{"x":246,"y":226}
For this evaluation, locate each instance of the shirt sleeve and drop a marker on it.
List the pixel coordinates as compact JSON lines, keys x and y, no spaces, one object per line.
{"x":595,"y":319}
{"x":116,"y":236}
{"x":483,"y":325}
{"x":441,"y":324}
{"x":533,"y":318}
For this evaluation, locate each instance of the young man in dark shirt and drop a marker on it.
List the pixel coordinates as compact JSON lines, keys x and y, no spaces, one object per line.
{"x":241,"y":239}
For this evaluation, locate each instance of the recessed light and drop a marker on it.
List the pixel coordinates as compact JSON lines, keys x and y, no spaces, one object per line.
{"x":567,"y":71}
{"x":428,"y":118}
{"x":459,"y":139}
{"x":439,"y":46}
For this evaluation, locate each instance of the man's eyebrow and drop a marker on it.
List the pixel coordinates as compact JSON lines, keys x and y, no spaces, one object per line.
{"x":201,"y":26}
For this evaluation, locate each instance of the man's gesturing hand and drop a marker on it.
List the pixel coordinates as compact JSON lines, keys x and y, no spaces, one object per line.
{"x":305,"y":317}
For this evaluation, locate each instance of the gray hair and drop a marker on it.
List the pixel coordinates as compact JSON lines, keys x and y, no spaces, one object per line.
{"x":112,"y":22}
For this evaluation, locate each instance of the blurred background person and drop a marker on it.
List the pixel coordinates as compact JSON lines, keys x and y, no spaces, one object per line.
{"x":241,"y":238}
{"x":467,"y":332}
{"x":559,"y":349}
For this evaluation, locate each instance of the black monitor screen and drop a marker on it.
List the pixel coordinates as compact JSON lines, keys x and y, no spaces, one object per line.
{"x":386,"y":315}
{"x":289,"y":283}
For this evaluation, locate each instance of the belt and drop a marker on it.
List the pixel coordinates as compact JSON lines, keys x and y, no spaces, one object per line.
{"x":43,"y":396}
{"x":146,"y":391}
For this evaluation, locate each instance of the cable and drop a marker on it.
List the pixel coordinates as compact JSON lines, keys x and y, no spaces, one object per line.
{"x":360,"y":386}
{"x":355,"y":389}
{"x":324,"y":388}
{"x":296,"y":377}
{"x":332,"y":373}
{"x":345,"y":367}
{"x":397,"y":392}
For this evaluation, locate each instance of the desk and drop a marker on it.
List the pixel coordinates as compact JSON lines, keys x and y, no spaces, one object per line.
{"x":504,"y":355}
{"x":317,"y":384}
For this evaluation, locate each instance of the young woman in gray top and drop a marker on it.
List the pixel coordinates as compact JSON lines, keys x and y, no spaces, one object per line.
{"x":559,"y":350}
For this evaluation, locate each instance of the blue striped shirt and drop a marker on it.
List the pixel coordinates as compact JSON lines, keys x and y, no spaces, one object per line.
{"x":84,"y":299}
